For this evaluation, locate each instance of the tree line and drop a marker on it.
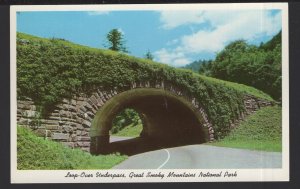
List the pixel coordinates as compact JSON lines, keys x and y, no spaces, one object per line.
{"x":257,"y":66}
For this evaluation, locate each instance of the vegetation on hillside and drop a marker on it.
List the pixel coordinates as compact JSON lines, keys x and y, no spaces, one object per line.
{"x":130,"y":130}
{"x":127,"y":123}
{"x":195,"y":66}
{"x":125,"y":118}
{"x":260,"y":131}
{"x":35,"y":153}
{"x":240,"y":62}
{"x":48,"y":70}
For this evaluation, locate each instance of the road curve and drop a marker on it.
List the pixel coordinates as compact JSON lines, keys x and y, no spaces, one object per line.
{"x":202,"y":157}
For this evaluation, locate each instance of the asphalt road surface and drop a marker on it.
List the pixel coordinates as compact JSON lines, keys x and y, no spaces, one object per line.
{"x":202,"y":157}
{"x":118,"y":138}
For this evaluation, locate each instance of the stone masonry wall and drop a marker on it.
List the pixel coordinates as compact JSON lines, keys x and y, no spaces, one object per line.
{"x":70,"y":121}
{"x":251,"y":104}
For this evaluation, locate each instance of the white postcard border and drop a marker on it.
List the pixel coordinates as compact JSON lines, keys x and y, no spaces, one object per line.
{"x":58,"y":176}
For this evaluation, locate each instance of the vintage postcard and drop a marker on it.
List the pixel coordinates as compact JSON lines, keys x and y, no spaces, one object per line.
{"x":149,"y":93}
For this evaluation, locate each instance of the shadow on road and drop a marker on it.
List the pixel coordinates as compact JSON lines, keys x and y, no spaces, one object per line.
{"x":144,"y":144}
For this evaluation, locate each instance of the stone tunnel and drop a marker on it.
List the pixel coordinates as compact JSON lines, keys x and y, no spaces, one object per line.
{"x":168,"y":120}
{"x":169,"y":115}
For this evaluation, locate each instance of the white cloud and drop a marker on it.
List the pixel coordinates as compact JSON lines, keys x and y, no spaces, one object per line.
{"x":172,"y":19}
{"x":172,"y":42}
{"x":245,"y":25}
{"x":95,"y":13}
{"x":174,"y":58}
{"x":225,"y":26}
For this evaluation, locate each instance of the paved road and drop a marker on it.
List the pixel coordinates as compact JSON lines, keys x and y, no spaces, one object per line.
{"x":201,"y":157}
{"x":118,"y":138}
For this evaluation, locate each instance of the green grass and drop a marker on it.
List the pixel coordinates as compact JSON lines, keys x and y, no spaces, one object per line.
{"x":35,"y":153}
{"x":130,"y":131}
{"x":260,"y":131}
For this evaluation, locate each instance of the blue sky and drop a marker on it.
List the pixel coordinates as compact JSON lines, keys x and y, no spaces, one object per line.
{"x":173,"y":37}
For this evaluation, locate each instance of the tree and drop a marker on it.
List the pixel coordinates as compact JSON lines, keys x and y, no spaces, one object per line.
{"x":115,"y":40}
{"x":149,"y":55}
{"x":257,"y":66}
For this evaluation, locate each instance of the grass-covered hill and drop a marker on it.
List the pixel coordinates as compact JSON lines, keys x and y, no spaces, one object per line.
{"x":260,"y":131}
{"x":50,"y":69}
{"x":52,"y":155}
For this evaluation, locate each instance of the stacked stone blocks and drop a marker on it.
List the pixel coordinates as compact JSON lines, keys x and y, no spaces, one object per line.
{"x":70,"y":121}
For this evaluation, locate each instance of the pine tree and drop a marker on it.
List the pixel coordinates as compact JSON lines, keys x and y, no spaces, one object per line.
{"x":149,"y":55}
{"x":115,"y":40}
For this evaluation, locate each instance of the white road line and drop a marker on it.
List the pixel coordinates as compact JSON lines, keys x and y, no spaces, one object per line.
{"x":164,"y":163}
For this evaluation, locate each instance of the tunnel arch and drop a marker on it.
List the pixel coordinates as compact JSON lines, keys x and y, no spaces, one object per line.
{"x":165,"y":116}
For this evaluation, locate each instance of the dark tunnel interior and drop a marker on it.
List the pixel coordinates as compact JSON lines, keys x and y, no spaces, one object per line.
{"x":167,"y":122}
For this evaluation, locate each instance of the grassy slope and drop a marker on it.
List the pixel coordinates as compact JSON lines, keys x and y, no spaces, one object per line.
{"x":130,"y":131}
{"x":260,"y":131}
{"x":37,"y":153}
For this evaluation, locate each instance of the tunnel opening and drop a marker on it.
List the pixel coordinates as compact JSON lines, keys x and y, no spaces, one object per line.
{"x":127,"y":123}
{"x":167,"y":121}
